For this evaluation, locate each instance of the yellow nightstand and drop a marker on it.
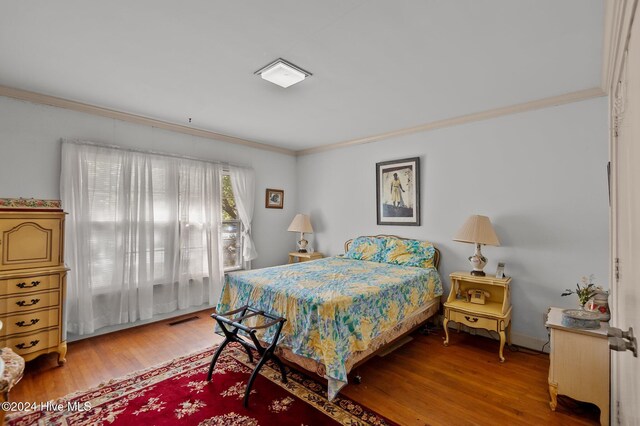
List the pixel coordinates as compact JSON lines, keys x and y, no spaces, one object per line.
{"x":494,"y":314}
{"x":294,"y":256}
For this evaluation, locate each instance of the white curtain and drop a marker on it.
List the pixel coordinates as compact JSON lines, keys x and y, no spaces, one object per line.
{"x":243,"y":182}
{"x":142,"y":234}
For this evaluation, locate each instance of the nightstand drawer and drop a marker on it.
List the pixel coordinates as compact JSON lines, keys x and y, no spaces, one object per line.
{"x":473,"y":321}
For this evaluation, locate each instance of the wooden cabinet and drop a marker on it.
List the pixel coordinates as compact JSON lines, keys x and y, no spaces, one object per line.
{"x":579,"y":363}
{"x":493,"y":315}
{"x":32,"y":282}
{"x":295,"y":256}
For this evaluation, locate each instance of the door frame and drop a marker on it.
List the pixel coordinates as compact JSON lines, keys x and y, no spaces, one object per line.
{"x":619,"y":16}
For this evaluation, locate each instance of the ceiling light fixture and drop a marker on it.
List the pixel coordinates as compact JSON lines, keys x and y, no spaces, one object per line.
{"x":282,"y":73}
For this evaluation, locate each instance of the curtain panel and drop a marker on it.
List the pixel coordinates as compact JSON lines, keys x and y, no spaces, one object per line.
{"x":243,"y":182}
{"x":143,"y":234}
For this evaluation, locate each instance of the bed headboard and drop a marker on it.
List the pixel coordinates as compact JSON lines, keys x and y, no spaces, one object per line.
{"x":436,"y":256}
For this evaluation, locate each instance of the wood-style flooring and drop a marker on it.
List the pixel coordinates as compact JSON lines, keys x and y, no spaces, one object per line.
{"x":421,"y":383}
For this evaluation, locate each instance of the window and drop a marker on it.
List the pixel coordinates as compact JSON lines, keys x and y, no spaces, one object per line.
{"x":167,"y":185}
{"x":147,"y":234}
{"x":231,"y":228}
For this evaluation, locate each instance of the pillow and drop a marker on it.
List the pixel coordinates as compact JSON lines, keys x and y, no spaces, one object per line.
{"x":366,"y":248}
{"x":409,"y":253}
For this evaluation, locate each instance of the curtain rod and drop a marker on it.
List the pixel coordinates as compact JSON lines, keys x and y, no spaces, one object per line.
{"x":140,"y":151}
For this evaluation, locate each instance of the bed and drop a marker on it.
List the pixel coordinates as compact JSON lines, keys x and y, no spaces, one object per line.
{"x":341,"y":310}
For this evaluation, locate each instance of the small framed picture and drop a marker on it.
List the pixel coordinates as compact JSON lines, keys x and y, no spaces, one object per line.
{"x":274,"y":199}
{"x":500,"y":270}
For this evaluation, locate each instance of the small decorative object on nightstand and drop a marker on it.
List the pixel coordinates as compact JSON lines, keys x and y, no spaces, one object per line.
{"x":479,"y":302}
{"x":295,"y":256}
{"x":579,"y":363}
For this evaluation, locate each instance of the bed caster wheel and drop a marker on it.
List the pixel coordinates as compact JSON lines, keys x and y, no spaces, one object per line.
{"x":357,"y":380}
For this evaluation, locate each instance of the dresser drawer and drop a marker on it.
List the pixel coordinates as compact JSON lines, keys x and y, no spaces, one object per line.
{"x":474,"y":321}
{"x":29,"y":284}
{"x":28,"y":302}
{"x":32,"y":321}
{"x":26,"y":344}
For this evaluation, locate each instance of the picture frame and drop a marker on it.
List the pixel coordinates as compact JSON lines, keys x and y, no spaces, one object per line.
{"x":274,"y":199}
{"x":398,"y":192}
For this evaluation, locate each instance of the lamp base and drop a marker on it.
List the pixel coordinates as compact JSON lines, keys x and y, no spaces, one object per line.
{"x":302,"y":244}
{"x":478,"y":261}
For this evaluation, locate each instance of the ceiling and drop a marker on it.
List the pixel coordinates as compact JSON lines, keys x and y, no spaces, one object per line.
{"x":378,"y":66}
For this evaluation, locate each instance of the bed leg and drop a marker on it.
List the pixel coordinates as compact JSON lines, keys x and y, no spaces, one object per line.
{"x":357,"y":378}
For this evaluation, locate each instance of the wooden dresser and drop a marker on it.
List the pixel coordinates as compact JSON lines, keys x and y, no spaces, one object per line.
{"x":32,"y":282}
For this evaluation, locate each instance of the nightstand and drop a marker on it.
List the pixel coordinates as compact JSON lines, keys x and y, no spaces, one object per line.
{"x":579,"y":363}
{"x":493,"y":315}
{"x":295,"y":256}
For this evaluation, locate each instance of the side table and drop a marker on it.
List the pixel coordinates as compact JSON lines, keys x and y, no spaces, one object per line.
{"x":295,"y":256}
{"x":493,"y":315}
{"x":579,"y":364}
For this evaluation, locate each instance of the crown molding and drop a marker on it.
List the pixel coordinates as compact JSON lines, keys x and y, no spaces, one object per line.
{"x":39,"y":98}
{"x":462,"y":119}
{"x":449,"y":122}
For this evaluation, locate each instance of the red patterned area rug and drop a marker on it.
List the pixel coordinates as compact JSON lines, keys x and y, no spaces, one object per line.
{"x":177,"y":392}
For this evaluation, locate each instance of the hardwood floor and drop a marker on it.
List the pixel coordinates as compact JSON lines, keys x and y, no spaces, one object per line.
{"x":421,"y":383}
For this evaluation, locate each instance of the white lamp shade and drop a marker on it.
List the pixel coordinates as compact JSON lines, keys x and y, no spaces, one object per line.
{"x":478,"y":230}
{"x":301,"y":223}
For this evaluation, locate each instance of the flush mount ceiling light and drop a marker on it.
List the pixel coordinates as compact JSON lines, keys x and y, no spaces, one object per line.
{"x":282,"y":73}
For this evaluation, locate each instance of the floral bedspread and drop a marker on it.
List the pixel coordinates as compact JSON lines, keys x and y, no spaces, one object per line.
{"x":334,"y":306}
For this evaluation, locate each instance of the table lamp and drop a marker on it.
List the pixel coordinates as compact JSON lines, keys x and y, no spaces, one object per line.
{"x":301,"y":223}
{"x":477,"y":230}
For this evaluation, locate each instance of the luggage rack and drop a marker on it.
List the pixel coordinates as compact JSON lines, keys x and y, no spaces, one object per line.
{"x":231,"y":326}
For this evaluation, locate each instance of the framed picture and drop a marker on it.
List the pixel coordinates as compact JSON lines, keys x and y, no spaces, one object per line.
{"x":274,"y":199}
{"x":398,"y":192}
{"x":500,"y":270}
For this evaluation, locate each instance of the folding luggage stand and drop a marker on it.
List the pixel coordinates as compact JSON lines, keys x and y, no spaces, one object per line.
{"x":266,"y":352}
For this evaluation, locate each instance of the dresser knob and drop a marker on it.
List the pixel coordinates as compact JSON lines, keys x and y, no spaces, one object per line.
{"x":471,"y":319}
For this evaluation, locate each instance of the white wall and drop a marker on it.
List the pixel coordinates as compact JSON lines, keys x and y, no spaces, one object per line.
{"x":540,"y":176}
{"x":30,"y":162}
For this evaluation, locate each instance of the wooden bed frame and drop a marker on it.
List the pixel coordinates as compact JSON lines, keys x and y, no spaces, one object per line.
{"x":360,"y":358}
